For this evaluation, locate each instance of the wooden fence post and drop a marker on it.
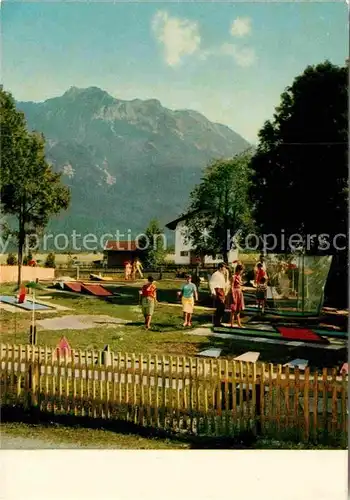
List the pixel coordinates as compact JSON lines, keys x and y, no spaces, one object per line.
{"x":32,"y":335}
{"x":34,"y":374}
{"x":306,"y":404}
{"x":258,"y":389}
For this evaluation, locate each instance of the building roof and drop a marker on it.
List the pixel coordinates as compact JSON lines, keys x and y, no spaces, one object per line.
{"x":172,"y":225}
{"x":121,"y":246}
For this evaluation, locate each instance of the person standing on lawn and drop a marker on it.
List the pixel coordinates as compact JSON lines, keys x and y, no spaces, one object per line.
{"x":237,"y":296}
{"x":189,"y":295}
{"x":217,"y":287}
{"x":148,"y":300}
{"x":133,"y":270}
{"x":260,"y":273}
{"x":127,"y":270}
{"x":138,"y":268}
{"x":260,"y":266}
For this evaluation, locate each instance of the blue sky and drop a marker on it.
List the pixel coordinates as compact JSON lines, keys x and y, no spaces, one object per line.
{"x":229,"y":61}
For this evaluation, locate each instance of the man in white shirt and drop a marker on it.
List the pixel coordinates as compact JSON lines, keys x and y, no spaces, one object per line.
{"x":217,"y":286}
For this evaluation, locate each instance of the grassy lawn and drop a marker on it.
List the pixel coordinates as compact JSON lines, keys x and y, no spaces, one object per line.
{"x":166,"y":336}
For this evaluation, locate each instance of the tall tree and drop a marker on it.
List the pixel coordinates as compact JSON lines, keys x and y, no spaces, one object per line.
{"x":301,"y":169}
{"x":13,"y":129}
{"x":30,"y":191}
{"x":153,"y":245}
{"x":220,"y":206}
{"x":300,"y":166}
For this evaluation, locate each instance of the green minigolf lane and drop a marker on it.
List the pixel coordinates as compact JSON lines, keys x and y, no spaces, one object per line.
{"x":331,"y":333}
{"x":289,"y":314}
{"x":248,"y":331}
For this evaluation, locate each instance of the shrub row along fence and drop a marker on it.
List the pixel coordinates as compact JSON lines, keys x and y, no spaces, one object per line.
{"x":206,"y":397}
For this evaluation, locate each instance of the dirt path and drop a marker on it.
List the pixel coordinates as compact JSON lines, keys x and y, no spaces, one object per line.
{"x":8,"y":442}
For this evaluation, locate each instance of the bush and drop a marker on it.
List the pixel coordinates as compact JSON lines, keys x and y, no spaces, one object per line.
{"x":11,"y":260}
{"x":50,"y":260}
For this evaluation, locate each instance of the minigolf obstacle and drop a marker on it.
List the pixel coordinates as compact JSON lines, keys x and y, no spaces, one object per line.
{"x":90,"y":289}
{"x":63,"y":348}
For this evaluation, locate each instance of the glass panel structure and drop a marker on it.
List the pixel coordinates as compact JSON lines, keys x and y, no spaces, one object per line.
{"x":296,"y":283}
{"x":311,"y":288}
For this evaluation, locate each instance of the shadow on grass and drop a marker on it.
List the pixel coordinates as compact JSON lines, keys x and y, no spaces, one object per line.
{"x":61,"y":294}
{"x":173,"y":322}
{"x":135,"y":323}
{"x":243,"y":440}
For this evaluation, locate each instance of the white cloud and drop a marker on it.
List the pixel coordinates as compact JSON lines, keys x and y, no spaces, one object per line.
{"x":180,"y":37}
{"x":243,"y":56}
{"x":241,"y":26}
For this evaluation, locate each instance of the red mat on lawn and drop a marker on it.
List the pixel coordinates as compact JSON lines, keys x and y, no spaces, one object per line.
{"x":96,"y":290}
{"x":73,"y":286}
{"x":299,"y":334}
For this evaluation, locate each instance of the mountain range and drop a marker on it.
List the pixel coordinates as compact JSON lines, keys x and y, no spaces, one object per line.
{"x":126,"y":162}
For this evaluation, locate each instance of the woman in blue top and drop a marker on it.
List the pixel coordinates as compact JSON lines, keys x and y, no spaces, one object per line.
{"x":189,"y":294}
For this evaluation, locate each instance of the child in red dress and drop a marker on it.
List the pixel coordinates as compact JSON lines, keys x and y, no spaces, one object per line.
{"x":260,"y":273}
{"x":237,"y":296}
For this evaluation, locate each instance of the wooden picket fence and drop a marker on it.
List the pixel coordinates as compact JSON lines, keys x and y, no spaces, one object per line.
{"x":209,"y":397}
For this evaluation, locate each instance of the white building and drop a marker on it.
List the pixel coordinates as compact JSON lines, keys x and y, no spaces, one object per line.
{"x":183,"y":250}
